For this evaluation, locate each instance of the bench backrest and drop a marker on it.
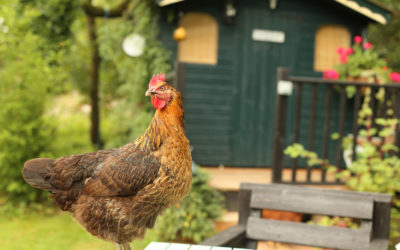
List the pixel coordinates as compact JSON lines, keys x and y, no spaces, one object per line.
{"x":372,"y":209}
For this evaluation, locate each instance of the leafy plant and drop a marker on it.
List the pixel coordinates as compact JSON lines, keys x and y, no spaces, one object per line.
{"x":51,"y":19}
{"x":361,"y":60}
{"x":25,"y":81}
{"x":335,"y":221}
{"x":376,"y":167}
{"x":361,"y":63}
{"x":193,"y":218}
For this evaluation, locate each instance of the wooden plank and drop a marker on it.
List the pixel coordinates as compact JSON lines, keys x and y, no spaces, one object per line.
{"x":296,"y":131}
{"x":373,"y":105}
{"x":178,"y":246}
{"x":279,"y":129}
{"x":199,"y":247}
{"x":342,"y":112}
{"x":311,"y":131}
{"x":302,"y":201}
{"x":379,"y":244}
{"x":336,"y":82}
{"x":180,"y":69}
{"x":357,"y":104}
{"x":244,"y":205}
{"x":254,"y":213}
{"x":397,"y":115}
{"x":307,"y":234}
{"x":366,"y":225}
{"x":157,"y":246}
{"x":228,"y":237}
{"x":326,"y":137}
{"x":381,"y":221}
{"x":377,"y":197}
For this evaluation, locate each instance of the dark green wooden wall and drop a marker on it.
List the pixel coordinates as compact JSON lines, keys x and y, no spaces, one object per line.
{"x":229,"y":107}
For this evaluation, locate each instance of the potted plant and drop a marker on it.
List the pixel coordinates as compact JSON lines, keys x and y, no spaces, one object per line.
{"x":361,"y":63}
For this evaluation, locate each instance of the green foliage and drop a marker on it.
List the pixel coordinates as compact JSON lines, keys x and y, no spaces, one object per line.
{"x":386,"y":37}
{"x":336,"y":221}
{"x":44,"y":59}
{"x":376,"y":167}
{"x":361,"y":63}
{"x":71,"y":116}
{"x":25,"y":81}
{"x":52,"y":19}
{"x":193,"y":218}
{"x":129,"y":77}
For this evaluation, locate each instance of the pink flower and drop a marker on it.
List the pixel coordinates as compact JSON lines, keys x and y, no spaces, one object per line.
{"x":330,"y":74}
{"x":395,"y":77}
{"x":358,"y":39}
{"x":343,"y":58}
{"x":367,"y":45}
{"x":349,"y":51}
{"x":340,"y":51}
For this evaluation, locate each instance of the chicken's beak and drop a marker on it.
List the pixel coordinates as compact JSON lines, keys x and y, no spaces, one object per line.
{"x":150,"y":92}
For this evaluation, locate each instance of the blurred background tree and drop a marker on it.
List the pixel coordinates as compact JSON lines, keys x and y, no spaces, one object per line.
{"x":386,"y":37}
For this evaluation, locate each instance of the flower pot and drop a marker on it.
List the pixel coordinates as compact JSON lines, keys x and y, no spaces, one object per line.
{"x":281,"y":215}
{"x":359,"y":79}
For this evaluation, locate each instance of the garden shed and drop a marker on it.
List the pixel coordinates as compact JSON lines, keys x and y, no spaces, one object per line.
{"x":230,"y":57}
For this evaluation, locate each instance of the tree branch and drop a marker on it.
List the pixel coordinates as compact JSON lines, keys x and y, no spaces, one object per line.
{"x":95,"y":11}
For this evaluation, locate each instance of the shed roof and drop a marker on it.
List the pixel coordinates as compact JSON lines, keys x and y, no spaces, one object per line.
{"x":366,"y":8}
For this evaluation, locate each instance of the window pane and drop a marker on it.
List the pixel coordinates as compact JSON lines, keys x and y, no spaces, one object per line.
{"x":327,"y":39}
{"x":200,"y":45}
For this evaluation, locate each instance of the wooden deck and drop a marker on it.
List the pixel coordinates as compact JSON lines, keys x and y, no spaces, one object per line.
{"x":229,"y":179}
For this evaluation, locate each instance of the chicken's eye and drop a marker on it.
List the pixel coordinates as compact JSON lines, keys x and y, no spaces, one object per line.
{"x":162,"y":88}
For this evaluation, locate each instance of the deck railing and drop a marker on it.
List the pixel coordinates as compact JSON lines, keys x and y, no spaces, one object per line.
{"x":331,"y":89}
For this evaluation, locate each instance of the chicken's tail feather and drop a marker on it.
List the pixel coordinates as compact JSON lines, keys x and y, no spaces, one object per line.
{"x":36,"y":173}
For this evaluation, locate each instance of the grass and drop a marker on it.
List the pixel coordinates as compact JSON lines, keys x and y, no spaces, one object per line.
{"x":59,"y":231}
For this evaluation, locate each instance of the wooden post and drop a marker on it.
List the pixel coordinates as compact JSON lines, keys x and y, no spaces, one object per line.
{"x":397,"y":116}
{"x":381,"y":217}
{"x":244,"y":205}
{"x":279,"y":128}
{"x":180,"y":69}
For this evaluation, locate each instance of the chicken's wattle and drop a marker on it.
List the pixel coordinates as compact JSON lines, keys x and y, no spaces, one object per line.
{"x":158,"y":103}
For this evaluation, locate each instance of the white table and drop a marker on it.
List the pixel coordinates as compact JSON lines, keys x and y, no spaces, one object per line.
{"x":180,"y":246}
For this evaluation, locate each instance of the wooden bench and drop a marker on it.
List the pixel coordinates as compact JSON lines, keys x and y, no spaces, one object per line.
{"x":372,"y":209}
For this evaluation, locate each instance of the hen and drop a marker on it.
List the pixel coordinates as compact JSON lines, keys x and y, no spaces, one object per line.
{"x":116,"y":194}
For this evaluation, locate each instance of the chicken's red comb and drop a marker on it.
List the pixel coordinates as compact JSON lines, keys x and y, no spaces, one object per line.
{"x":156,"y":79}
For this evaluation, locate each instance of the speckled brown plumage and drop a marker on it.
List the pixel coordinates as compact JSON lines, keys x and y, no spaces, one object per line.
{"x":116,"y":194}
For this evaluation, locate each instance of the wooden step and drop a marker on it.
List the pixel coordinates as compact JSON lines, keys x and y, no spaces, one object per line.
{"x":229,"y":178}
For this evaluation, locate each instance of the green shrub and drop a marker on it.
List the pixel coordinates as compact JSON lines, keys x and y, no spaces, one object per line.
{"x":192,"y":219}
{"x":25,"y":80}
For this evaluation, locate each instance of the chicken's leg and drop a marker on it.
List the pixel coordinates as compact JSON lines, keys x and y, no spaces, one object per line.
{"x":118,"y":246}
{"x":124,"y":246}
